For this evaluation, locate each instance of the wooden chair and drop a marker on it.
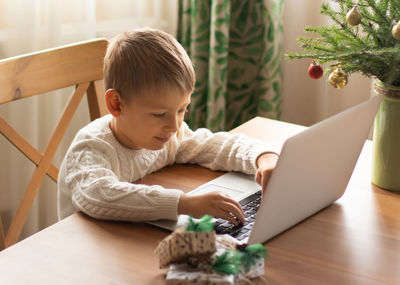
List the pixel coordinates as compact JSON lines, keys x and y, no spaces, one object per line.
{"x":79,"y":65}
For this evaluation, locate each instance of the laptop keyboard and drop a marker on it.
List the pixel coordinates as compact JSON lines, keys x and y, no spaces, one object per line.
{"x":250,"y":207}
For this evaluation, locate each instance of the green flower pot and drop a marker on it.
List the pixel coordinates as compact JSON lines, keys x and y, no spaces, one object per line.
{"x":386,"y":150}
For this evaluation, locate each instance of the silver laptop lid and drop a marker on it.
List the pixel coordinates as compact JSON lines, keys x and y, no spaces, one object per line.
{"x":313,"y":170}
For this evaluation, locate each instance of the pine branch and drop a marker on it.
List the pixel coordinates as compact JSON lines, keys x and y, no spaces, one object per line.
{"x":378,"y":12}
{"x":394,"y":11}
{"x":337,"y":37}
{"x":368,"y":48}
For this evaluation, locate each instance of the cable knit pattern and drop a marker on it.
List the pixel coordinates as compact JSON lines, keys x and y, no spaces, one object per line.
{"x":97,"y":174}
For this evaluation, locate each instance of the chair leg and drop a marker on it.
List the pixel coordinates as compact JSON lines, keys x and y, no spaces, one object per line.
{"x":2,"y":244}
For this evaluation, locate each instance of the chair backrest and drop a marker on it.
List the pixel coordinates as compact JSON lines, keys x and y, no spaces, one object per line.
{"x":79,"y":65}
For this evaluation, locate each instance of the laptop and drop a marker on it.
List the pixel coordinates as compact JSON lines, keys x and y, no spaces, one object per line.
{"x":312,"y":172}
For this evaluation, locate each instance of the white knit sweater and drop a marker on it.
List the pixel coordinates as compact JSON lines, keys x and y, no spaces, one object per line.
{"x":97,"y":174}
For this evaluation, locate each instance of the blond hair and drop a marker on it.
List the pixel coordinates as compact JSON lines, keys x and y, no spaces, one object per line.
{"x":147,"y":61}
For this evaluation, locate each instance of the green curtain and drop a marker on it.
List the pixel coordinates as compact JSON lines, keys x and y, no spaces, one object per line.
{"x":236,"y":50}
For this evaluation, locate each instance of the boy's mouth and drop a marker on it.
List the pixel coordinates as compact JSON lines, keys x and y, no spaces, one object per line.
{"x":163,"y":140}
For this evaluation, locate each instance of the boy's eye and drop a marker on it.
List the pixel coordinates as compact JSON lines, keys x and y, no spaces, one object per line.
{"x":158,"y":115}
{"x":162,"y":115}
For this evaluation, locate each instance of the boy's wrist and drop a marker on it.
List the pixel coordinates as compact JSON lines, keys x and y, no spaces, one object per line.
{"x":183,"y":204}
{"x":266,"y":156}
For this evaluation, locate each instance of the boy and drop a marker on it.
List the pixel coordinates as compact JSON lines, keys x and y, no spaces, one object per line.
{"x":148,"y":80}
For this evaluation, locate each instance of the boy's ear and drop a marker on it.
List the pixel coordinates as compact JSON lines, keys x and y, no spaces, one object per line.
{"x":113,"y":102}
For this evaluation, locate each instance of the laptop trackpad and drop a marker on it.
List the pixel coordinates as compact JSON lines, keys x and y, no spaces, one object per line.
{"x":233,"y":193}
{"x":236,"y":185}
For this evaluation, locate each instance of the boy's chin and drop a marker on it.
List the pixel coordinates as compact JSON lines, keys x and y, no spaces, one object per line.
{"x":156,"y":146}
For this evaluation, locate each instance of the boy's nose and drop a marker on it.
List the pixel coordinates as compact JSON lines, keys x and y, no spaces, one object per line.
{"x":173,"y":124}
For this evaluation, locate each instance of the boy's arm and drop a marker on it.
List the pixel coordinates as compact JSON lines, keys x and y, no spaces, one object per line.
{"x":220,"y":151}
{"x":88,"y":179}
{"x":88,"y":183}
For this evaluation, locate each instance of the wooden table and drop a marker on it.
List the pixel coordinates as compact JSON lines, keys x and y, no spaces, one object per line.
{"x":354,"y":241}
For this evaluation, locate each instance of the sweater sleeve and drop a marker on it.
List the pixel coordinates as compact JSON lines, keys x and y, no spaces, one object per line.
{"x":97,"y":191}
{"x":220,"y":151}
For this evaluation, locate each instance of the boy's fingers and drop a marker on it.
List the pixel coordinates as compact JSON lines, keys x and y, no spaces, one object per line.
{"x":227,"y":216}
{"x":236,"y":203}
{"x":264,"y":179}
{"x":230,"y":208}
{"x":228,"y":199}
{"x":258,"y":177}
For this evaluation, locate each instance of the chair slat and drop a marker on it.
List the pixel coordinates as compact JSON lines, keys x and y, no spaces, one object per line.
{"x":95,"y":96}
{"x":26,"y":75}
{"x":25,"y":147}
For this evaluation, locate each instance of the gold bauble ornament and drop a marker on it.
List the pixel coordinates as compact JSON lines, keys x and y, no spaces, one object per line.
{"x":353,"y":17}
{"x":396,"y":31}
{"x":338,"y":78}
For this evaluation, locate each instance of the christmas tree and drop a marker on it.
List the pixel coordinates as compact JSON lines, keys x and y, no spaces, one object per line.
{"x":364,"y":37}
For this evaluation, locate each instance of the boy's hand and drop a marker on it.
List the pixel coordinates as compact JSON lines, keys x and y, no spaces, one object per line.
{"x":266,"y":164}
{"x":215,"y":204}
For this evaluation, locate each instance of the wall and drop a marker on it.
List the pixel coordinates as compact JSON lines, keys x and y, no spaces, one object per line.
{"x":306,"y":100}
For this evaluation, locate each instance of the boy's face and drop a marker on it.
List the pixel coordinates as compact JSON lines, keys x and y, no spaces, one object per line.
{"x":149,"y":121}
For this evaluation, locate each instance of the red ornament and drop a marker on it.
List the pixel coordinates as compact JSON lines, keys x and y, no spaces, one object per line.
{"x":315,"y":70}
